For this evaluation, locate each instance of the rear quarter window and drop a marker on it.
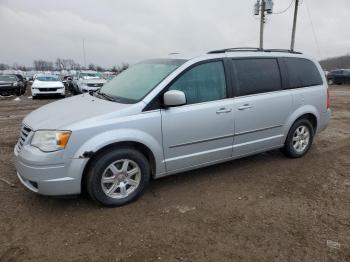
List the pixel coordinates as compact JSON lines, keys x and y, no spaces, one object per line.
{"x":302,"y":73}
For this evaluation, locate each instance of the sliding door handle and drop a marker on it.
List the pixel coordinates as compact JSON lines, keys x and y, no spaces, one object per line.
{"x":223,"y":110}
{"x":245,"y":106}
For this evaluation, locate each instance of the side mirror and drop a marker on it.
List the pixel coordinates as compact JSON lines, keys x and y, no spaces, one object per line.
{"x":174,"y":98}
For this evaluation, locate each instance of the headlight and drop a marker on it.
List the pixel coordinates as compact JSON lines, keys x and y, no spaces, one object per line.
{"x":15,"y":84}
{"x":49,"y":141}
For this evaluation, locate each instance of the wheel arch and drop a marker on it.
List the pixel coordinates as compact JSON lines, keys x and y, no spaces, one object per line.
{"x":309,"y":113}
{"x":142,"y":148}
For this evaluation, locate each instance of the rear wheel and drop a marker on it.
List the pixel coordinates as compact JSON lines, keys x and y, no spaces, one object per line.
{"x":118,"y":177}
{"x":299,"y":139}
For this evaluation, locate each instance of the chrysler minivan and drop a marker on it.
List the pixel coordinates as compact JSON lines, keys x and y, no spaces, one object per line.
{"x":166,"y":116}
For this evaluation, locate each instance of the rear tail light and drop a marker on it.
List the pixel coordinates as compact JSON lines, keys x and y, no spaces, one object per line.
{"x":328,"y":99}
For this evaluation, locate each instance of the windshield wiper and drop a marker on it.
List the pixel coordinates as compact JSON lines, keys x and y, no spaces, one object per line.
{"x":110,"y":98}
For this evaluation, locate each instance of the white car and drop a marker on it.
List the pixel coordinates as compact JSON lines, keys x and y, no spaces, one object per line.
{"x":87,"y":82}
{"x":47,"y":85}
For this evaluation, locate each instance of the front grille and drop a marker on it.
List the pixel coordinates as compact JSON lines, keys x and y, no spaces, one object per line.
{"x":95,"y":85}
{"x":25,"y":131}
{"x":47,"y":89}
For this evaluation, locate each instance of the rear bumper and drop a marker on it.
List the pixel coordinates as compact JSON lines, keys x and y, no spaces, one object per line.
{"x":324,"y":120}
{"x":56,"y":179}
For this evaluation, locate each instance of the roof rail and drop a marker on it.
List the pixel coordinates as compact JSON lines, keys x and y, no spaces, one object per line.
{"x":282,"y":50}
{"x":251,"y":49}
{"x":237,"y":49}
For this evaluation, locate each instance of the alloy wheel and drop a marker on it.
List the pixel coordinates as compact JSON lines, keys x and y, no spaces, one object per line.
{"x":121,"y":178}
{"x":301,"y":138}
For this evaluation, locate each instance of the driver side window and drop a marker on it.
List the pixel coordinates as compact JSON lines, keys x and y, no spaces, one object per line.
{"x":202,"y":83}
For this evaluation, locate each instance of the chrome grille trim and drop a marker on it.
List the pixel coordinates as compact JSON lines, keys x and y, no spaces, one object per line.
{"x":25,"y":131}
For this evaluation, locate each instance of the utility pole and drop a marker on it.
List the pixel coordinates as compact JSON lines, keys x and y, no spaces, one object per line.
{"x":84,"y":53}
{"x":294,"y":25}
{"x":262,"y":8}
{"x":262,"y":22}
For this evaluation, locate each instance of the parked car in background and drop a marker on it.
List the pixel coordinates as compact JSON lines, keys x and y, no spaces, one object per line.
{"x":45,"y":84}
{"x":29,"y":78}
{"x":66,"y":80}
{"x":11,"y":84}
{"x":87,"y":82}
{"x":166,"y":116}
{"x":339,"y":76}
{"x":22,"y":82}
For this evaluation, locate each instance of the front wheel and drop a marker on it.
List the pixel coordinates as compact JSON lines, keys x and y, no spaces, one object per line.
{"x":299,"y":139}
{"x":118,"y":177}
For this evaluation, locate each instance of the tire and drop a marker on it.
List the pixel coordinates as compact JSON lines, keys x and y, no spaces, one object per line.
{"x":298,"y":145}
{"x":110,"y":167}
{"x":18,"y":92}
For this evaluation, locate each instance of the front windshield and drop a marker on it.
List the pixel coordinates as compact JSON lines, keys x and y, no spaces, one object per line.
{"x":7,"y":78}
{"x":136,"y":82}
{"x":89,"y":75}
{"x":47,"y":78}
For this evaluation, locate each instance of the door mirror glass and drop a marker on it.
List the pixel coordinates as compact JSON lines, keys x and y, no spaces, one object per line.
{"x":174,"y":98}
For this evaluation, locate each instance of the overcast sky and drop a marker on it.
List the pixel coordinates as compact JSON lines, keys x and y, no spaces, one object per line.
{"x":118,"y":31}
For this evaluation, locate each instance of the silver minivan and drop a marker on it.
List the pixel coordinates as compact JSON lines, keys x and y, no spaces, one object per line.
{"x":166,"y":116}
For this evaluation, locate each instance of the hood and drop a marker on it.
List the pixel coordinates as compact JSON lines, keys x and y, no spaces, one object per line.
{"x":63,"y":113}
{"x":38,"y":83}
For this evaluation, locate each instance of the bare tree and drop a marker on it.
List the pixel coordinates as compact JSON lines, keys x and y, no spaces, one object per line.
{"x":42,"y":65}
{"x":4,"y":66}
{"x":120,"y":68}
{"x":340,"y":62}
{"x":92,"y":67}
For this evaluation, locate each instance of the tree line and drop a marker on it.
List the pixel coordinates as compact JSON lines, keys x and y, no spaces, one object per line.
{"x":340,"y":62}
{"x":63,"y":64}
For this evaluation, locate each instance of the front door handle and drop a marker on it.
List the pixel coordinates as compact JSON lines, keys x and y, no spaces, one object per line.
{"x":245,"y":106}
{"x":223,"y":110}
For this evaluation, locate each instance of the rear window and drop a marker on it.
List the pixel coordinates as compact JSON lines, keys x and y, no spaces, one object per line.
{"x":302,"y":73}
{"x":256,"y":76}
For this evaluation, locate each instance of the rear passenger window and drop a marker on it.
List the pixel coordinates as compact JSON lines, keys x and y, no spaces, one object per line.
{"x":256,"y":76}
{"x":302,"y":73}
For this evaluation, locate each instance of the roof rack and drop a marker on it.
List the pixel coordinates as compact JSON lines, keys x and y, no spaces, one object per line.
{"x":251,"y":49}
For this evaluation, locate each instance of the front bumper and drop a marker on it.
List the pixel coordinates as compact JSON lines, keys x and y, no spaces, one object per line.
{"x":85,"y":89}
{"x":8,"y":89}
{"x":58,"y":91}
{"x":45,"y":177}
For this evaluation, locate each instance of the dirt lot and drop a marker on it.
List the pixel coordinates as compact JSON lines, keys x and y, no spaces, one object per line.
{"x":260,"y":208}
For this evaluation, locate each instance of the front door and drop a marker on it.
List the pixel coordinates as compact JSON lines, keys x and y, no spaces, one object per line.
{"x":201,"y":131}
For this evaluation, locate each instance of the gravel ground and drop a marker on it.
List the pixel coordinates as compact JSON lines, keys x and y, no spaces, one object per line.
{"x":260,"y":208}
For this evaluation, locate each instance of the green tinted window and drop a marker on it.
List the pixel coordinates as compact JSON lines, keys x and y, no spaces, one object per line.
{"x":205,"y":82}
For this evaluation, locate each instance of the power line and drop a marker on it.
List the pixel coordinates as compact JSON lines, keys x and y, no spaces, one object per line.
{"x":284,"y":10}
{"x":313,"y":29}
